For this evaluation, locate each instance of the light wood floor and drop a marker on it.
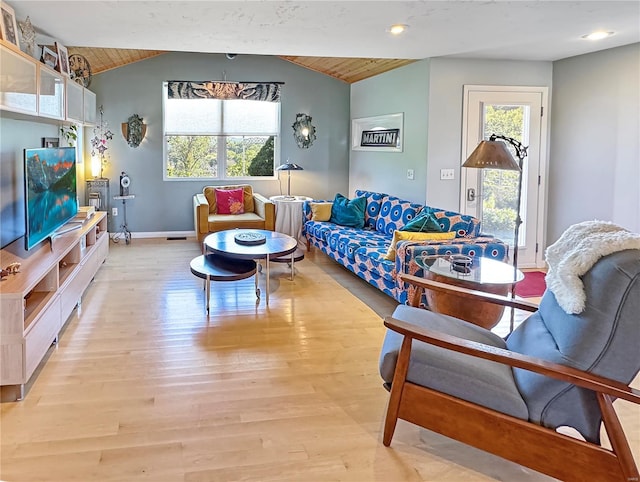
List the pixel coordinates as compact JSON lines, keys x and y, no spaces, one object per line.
{"x":142,"y":386}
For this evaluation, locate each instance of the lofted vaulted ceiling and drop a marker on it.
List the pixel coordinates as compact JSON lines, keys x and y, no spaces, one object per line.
{"x":346,"y":69}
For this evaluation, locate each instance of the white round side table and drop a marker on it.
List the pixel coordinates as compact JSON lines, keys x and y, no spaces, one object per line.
{"x":289,"y":214}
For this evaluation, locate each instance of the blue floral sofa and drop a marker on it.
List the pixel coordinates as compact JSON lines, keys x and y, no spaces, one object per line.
{"x":363,"y":250}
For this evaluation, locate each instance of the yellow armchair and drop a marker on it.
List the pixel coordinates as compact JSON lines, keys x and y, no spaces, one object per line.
{"x":259,"y":212}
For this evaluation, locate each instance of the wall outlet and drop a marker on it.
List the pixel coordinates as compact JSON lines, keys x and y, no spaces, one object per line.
{"x":446,"y":174}
{"x":114,"y":211}
{"x":410,"y":174}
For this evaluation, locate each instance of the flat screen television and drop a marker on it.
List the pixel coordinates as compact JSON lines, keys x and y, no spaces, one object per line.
{"x":51,"y":197}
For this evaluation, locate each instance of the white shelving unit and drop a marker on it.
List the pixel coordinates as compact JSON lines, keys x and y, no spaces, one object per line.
{"x":29,"y":87}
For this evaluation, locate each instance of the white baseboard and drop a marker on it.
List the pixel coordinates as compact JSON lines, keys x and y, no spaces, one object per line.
{"x":160,"y":234}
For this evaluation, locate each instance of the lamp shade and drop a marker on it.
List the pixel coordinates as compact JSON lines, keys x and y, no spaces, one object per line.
{"x":492,"y":155}
{"x":289,"y":167}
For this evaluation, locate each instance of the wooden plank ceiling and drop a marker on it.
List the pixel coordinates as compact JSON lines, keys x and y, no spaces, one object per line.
{"x":348,"y":70}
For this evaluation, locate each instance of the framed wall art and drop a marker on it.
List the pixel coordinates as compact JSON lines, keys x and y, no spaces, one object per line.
{"x":49,"y":57}
{"x":8,"y":25}
{"x":50,"y":142}
{"x":63,"y":59}
{"x":381,"y":133}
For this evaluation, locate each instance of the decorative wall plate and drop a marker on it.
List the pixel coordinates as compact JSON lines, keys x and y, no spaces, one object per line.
{"x":80,"y":70}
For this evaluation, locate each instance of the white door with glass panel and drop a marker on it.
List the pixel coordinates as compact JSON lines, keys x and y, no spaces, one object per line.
{"x":490,"y":194}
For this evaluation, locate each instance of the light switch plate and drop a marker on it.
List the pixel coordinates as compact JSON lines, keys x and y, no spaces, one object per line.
{"x":410,"y":174}
{"x":446,"y":174}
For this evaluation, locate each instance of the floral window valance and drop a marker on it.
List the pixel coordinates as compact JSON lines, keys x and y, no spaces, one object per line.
{"x":267,"y":91}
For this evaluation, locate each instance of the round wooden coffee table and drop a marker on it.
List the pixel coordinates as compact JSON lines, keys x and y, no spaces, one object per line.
{"x":485,"y":274}
{"x":276,"y":245}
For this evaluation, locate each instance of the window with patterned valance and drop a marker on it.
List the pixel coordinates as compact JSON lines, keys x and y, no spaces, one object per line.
{"x":223,"y":130}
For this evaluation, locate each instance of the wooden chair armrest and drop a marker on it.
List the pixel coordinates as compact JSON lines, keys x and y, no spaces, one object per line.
{"x":472,"y":295}
{"x":555,"y":370}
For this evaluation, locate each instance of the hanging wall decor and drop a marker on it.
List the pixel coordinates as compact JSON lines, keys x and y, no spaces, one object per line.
{"x":134,"y":130}
{"x":303,"y":131}
{"x":99,"y":155}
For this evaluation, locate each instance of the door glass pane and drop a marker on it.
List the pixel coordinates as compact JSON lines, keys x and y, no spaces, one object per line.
{"x":500,"y":188}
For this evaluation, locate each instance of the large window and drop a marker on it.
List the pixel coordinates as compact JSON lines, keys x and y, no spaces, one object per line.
{"x":220,"y":130}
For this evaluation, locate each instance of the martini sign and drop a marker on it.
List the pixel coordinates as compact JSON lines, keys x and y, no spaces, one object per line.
{"x":380,"y":138}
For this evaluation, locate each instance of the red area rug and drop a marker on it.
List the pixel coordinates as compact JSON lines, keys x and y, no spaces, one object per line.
{"x":532,"y":285}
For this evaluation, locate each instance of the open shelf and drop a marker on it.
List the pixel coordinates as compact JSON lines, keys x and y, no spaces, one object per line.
{"x":34,"y":303}
{"x":65,"y":269}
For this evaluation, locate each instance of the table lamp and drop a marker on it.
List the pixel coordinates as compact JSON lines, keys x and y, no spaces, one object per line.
{"x":289,"y":167}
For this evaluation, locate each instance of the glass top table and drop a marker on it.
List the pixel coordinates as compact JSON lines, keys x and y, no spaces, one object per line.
{"x":483,"y":274}
{"x":481,"y":271}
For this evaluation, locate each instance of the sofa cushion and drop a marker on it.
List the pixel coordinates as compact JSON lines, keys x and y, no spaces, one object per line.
{"x":230,"y":201}
{"x":347,"y":240}
{"x":374,"y":203}
{"x":220,"y":222}
{"x":320,"y":211}
{"x":464,"y":225}
{"x":318,"y":229}
{"x":394,"y":214}
{"x":411,"y":236}
{"x":423,"y":222}
{"x":348,"y":212}
{"x":210,"y":194}
{"x":372,"y":258}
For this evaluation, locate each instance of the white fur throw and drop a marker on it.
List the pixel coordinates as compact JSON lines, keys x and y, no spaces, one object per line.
{"x":577,"y":250}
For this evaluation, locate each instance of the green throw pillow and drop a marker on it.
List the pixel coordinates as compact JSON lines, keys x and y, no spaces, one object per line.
{"x":346,"y":212}
{"x":424,"y":222}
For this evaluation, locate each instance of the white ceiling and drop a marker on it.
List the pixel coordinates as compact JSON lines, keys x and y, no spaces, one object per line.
{"x":526,"y":30}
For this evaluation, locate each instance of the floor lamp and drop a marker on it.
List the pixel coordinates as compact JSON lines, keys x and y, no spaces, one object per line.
{"x":493,"y":154}
{"x":289,"y":167}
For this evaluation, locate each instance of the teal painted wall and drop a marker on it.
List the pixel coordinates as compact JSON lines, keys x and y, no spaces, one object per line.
{"x":166,"y":206}
{"x":430,"y":93}
{"x":403,"y":90}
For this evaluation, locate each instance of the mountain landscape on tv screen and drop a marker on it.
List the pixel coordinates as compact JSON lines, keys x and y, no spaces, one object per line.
{"x":50,"y":175}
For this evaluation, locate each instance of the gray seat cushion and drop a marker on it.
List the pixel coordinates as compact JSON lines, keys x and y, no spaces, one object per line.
{"x":483,"y":382}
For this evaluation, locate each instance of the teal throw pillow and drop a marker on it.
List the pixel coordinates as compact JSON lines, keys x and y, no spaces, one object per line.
{"x":348,"y":212}
{"x":424,"y":222}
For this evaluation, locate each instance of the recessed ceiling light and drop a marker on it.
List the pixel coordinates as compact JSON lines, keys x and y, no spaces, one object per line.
{"x":397,"y":28}
{"x":599,"y":35}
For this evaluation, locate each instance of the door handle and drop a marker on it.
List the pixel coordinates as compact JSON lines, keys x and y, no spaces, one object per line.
{"x":471,"y":194}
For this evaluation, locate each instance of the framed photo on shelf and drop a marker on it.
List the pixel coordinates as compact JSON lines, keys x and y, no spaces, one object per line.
{"x":49,"y":57}
{"x":382,"y":133}
{"x":50,"y":142}
{"x":8,"y":25}
{"x":63,"y":59}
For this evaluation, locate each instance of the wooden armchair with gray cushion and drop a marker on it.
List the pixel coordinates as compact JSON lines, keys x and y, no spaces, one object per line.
{"x":508,"y":397}
{"x":259,"y":212}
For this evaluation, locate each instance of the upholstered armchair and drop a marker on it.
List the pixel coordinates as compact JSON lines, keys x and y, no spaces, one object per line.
{"x":259,"y":212}
{"x":508,"y":397}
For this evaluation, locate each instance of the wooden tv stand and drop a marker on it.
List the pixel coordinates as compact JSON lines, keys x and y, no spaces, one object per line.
{"x":36,"y":302}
